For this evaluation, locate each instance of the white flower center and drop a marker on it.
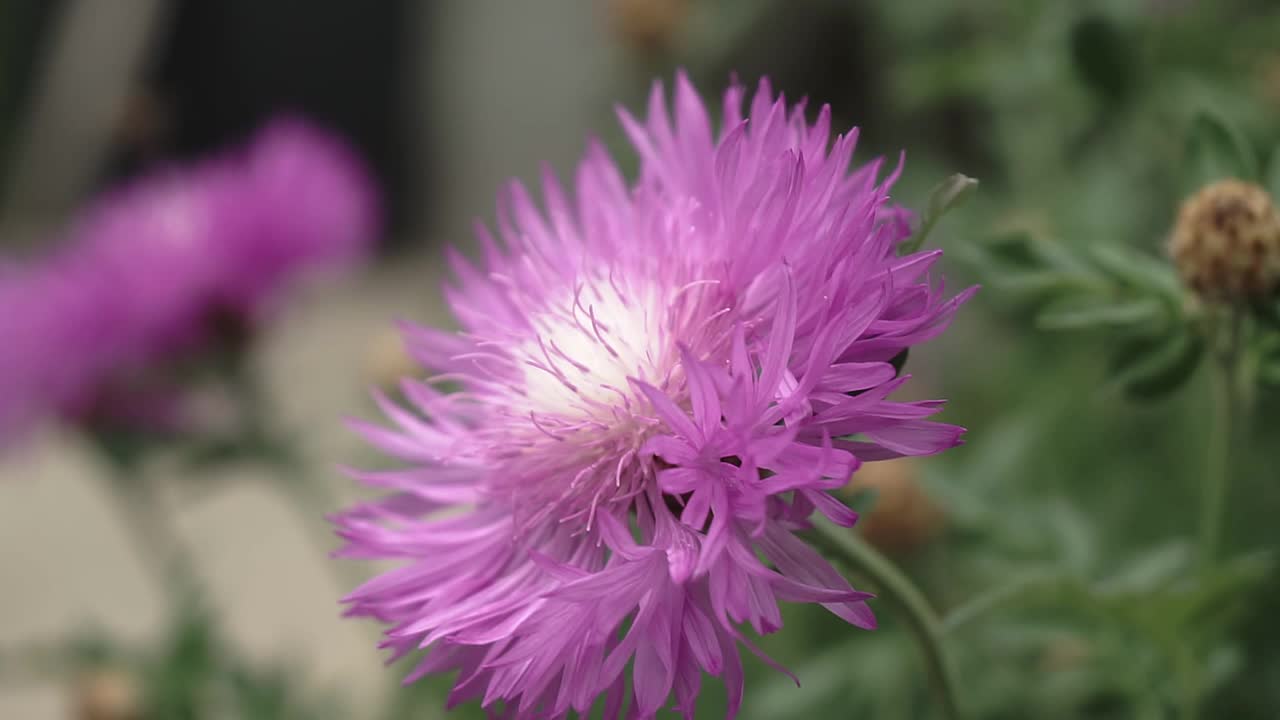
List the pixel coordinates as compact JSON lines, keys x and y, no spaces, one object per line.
{"x":588,"y":345}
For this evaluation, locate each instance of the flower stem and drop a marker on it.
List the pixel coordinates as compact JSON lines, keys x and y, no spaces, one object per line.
{"x":1225,"y":336}
{"x":898,"y":589}
{"x":156,"y":542}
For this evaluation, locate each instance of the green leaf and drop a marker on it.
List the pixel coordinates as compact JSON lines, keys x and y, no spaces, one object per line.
{"x":1212,"y":599}
{"x":1151,"y":570}
{"x":1075,"y":312}
{"x":1137,"y":269}
{"x":1150,"y":367}
{"x":1034,"y":284}
{"x":1013,"y":250}
{"x":1216,"y":151}
{"x":949,"y":194}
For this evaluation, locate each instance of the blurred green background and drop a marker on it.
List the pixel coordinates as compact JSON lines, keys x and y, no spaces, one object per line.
{"x":1061,"y":533}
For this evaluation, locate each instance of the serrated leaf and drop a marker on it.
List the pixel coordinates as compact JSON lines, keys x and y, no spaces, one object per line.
{"x":1150,"y":570}
{"x":1013,"y":250}
{"x":1214,"y":596}
{"x":1022,"y":251}
{"x":1076,"y":312}
{"x":1074,"y":535}
{"x":1148,"y":368}
{"x":1215,"y":151}
{"x":948,"y":195}
{"x":1137,"y":269}
{"x":1034,"y":284}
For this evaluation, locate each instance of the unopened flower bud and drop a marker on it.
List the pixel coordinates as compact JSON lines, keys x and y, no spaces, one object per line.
{"x":1226,"y":244}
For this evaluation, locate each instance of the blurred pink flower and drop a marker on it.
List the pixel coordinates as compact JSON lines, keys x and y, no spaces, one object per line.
{"x":167,"y":264}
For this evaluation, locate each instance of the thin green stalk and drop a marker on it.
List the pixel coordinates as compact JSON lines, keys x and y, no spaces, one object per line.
{"x":1226,"y":335}
{"x":309,"y":497}
{"x":899,"y":590}
{"x":155,"y":541}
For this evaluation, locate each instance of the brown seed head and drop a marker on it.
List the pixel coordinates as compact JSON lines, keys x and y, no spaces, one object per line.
{"x":1226,"y":244}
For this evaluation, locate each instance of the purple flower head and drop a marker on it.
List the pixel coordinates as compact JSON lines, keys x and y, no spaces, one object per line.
{"x":661,"y":383}
{"x":314,"y":208}
{"x":164,"y":267}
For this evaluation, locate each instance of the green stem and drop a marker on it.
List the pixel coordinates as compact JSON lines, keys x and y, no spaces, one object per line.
{"x":156,"y":542}
{"x":1225,"y":337}
{"x":308,"y":496}
{"x":898,"y":589}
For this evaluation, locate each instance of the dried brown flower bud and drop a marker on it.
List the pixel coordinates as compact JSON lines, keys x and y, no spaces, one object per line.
{"x":1226,"y":245}
{"x":904,"y":518}
{"x":647,"y":25}
{"x":107,"y":694}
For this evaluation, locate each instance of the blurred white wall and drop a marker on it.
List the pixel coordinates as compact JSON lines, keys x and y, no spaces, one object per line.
{"x":509,"y":85}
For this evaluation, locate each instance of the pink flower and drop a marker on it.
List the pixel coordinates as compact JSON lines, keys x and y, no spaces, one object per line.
{"x":661,"y":382}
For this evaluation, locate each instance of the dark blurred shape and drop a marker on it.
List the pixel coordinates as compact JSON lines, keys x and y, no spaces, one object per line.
{"x":224,"y":68}
{"x":825,"y":51}
{"x":24,"y":28}
{"x":839,"y":54}
{"x":1104,"y":58}
{"x":24,"y":32}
